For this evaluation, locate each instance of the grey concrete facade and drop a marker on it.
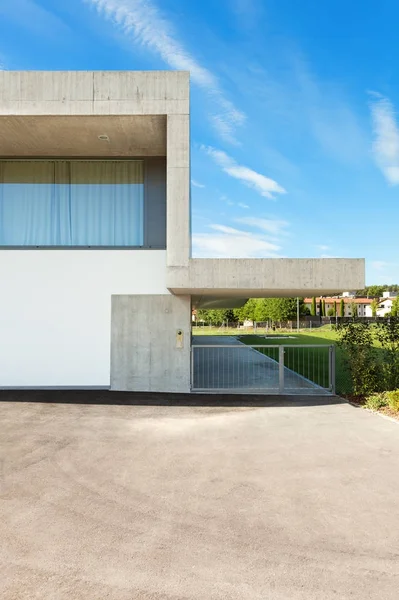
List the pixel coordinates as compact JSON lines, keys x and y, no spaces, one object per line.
{"x":150,"y":343}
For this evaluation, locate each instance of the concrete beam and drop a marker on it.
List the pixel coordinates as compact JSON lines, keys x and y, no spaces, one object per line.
{"x":94,"y":92}
{"x":266,"y":277}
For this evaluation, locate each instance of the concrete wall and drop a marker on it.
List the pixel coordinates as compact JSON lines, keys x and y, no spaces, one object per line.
{"x":150,"y":347}
{"x":55,"y":311}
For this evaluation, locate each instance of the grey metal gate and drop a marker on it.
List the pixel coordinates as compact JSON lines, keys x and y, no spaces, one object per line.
{"x":258,"y":369}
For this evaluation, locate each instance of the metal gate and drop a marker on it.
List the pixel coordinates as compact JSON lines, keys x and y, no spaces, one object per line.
{"x":270,"y":369}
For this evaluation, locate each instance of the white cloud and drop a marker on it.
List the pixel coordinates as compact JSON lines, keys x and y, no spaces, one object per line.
{"x":196,"y":184}
{"x":271,"y":226}
{"x":242,"y":205}
{"x":386,"y":142}
{"x":229,"y":242}
{"x":322,"y":247}
{"x":147,"y":26}
{"x":379,"y":265}
{"x":260,"y":183}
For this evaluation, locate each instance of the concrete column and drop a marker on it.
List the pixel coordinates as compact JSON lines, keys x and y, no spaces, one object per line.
{"x":178,"y":191}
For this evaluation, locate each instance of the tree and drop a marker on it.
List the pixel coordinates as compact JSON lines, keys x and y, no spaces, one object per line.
{"x":281,"y":309}
{"x":342,"y":308}
{"x":313,"y":307}
{"x":216,"y":316}
{"x":395,"y":307}
{"x":374,"y":306}
{"x":323,"y":306}
{"x":330,"y":312}
{"x":354,"y":309}
{"x":246,"y":312}
{"x":334,"y":309}
{"x":320,"y":308}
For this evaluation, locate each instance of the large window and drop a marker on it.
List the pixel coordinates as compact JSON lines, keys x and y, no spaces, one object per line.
{"x":71,"y":203}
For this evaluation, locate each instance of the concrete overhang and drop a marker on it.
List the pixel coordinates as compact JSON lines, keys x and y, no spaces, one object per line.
{"x":82,"y":136}
{"x":266,"y":277}
{"x":211,"y":302}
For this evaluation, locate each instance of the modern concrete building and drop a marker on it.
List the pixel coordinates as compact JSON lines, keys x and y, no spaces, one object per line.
{"x":97,"y":279}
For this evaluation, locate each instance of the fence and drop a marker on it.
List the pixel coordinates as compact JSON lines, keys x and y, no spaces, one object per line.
{"x":282,"y":369}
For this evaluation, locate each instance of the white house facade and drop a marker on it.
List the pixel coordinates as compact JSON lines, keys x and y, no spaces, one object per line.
{"x":97,"y":278}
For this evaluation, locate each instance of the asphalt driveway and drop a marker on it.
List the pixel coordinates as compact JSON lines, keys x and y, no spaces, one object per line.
{"x":277,"y":502}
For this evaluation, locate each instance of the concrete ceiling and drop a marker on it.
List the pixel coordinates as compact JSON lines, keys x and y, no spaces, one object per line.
{"x":217,"y":302}
{"x":72,"y":136}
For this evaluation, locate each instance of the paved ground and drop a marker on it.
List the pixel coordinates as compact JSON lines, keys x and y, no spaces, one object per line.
{"x":242,"y":367}
{"x":296,"y":501}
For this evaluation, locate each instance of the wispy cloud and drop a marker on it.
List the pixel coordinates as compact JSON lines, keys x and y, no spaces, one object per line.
{"x":197,"y":184}
{"x":331,"y":119}
{"x":322,"y":247}
{"x":260,"y":183}
{"x":242,"y":205}
{"x":386,"y":141}
{"x":271,"y":226}
{"x":379,"y":265}
{"x":143,"y":22}
{"x":229,"y":242}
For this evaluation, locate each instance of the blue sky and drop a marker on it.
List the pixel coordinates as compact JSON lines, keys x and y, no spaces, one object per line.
{"x":295,"y":136}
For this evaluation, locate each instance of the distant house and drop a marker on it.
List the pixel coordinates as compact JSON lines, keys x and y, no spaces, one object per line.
{"x":363,"y":304}
{"x":384,"y":305}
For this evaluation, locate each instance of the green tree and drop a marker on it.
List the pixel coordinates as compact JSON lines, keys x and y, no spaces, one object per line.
{"x":323,"y":307}
{"x":313,"y":307}
{"x":342,"y":308}
{"x":374,"y":306}
{"x":320,"y":308}
{"x":247,"y":311}
{"x":395,"y":307}
{"x":354,"y":309}
{"x":284,"y":309}
{"x":216,"y":316}
{"x":334,"y":309}
{"x":330,"y":312}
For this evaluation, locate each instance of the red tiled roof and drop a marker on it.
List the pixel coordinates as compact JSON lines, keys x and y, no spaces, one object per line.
{"x":346,"y":300}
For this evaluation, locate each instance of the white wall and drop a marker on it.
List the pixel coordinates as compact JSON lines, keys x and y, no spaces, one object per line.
{"x":55,"y":311}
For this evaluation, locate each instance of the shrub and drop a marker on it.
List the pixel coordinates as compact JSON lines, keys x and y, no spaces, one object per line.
{"x":387,"y":333}
{"x":356,"y":341}
{"x":376,"y":401}
{"x":330,"y":312}
{"x":392,"y":399}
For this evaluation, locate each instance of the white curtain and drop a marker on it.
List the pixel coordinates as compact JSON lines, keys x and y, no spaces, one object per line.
{"x":71,"y":203}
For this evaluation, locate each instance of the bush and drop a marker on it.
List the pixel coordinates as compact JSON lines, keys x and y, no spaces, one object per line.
{"x":376,"y":401}
{"x":361,"y":358}
{"x":392,"y":399}
{"x":330,"y":312}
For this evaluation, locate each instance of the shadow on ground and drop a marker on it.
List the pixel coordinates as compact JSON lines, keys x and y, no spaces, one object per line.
{"x":161,"y":399}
